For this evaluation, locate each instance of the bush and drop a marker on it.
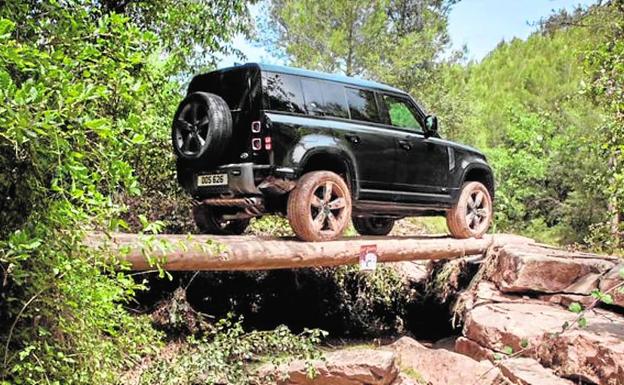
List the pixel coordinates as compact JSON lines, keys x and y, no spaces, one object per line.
{"x":229,"y":355}
{"x":86,"y":97}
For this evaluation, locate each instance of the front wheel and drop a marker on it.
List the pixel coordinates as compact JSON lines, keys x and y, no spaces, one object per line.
{"x":373,"y":225}
{"x":210,"y":221}
{"x":471,"y":216}
{"x":319,"y":207}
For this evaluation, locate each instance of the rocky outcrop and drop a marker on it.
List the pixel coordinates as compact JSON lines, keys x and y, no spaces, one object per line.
{"x":526,"y":371}
{"x":346,"y":367}
{"x":521,"y":310}
{"x":405,"y":362}
{"x":527,"y":269}
{"x":517,"y":328}
{"x":472,"y":349}
{"x":413,"y":273}
{"x":442,"y":367}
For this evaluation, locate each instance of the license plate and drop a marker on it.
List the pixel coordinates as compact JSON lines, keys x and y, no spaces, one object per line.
{"x":212,"y":180}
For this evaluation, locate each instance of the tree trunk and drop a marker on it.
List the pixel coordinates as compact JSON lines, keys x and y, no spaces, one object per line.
{"x":207,"y":252}
{"x":613,"y":207}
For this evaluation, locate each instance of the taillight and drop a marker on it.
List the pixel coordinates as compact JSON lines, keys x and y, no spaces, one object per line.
{"x":256,"y":127}
{"x":256,"y":144}
{"x":268,"y":145}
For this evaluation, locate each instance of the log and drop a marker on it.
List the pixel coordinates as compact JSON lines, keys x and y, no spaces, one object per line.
{"x":211,"y":252}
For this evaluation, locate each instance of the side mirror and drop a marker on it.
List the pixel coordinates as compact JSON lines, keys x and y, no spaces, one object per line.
{"x":431,"y":126}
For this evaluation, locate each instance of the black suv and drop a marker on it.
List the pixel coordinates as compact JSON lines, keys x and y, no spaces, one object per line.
{"x":321,"y":149}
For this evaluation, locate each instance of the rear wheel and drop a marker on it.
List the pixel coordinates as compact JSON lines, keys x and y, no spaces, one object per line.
{"x":319,"y":207}
{"x":373,"y":225}
{"x":210,"y":221}
{"x":471,"y":216}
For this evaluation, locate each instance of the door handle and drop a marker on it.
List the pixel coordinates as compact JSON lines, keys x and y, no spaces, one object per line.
{"x":405,"y":145}
{"x":353,"y":138}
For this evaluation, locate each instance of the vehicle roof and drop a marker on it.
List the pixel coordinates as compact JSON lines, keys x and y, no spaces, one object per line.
{"x":317,"y":75}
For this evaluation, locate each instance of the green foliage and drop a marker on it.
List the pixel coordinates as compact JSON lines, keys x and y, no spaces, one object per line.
{"x":87,"y":95}
{"x":395,"y":40}
{"x":371,"y":303}
{"x":605,"y":298}
{"x":527,"y":111}
{"x":228,"y":355}
{"x":604,"y":65}
{"x":575,"y":307}
{"x":582,"y":322}
{"x":271,"y":225}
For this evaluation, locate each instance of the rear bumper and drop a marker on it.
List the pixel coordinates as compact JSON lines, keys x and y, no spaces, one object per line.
{"x":240,"y":180}
{"x":243,"y":180}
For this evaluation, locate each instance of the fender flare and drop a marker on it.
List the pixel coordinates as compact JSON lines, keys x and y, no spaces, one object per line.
{"x":482,"y":167}
{"x":336,"y":154}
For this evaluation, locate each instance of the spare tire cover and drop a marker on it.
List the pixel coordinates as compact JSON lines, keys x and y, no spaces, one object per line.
{"x":202,"y":128}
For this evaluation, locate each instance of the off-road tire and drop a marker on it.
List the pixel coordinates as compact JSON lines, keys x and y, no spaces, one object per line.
{"x":309,"y":201}
{"x":471,"y":216}
{"x":373,"y":225}
{"x":209,"y":221}
{"x":202,"y":128}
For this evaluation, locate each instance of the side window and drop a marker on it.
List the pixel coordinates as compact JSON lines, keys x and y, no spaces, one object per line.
{"x":283,"y":92}
{"x":313,"y":97}
{"x":324,"y":98}
{"x":362,"y":105}
{"x":402,"y":113}
{"x":335,"y":101}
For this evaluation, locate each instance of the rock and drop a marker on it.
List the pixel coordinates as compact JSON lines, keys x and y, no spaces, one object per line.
{"x":404,"y":379}
{"x":473,"y":350}
{"x":594,"y":353}
{"x":442,"y":367}
{"x":531,"y":268}
{"x":483,"y":292}
{"x":612,"y":279}
{"x":447,"y":343}
{"x":596,"y":356}
{"x":414,"y":273}
{"x":345,"y":367}
{"x":526,"y":371}
{"x":487,"y":292}
{"x":566,"y":299}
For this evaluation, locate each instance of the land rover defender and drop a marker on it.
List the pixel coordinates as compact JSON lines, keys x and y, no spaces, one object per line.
{"x":322,"y":150}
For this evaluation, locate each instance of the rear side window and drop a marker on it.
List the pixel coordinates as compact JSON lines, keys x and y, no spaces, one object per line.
{"x":402,"y":113}
{"x":313,"y":97}
{"x":362,"y":105}
{"x":335,"y":101}
{"x":283,"y":92}
{"x":324,"y":98}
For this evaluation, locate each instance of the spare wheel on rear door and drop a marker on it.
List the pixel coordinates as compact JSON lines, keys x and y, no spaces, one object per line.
{"x":202,"y":128}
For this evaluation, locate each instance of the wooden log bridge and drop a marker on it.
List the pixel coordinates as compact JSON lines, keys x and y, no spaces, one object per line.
{"x":208,"y":252}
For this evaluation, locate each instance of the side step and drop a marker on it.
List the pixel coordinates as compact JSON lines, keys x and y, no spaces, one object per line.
{"x":395,"y":209}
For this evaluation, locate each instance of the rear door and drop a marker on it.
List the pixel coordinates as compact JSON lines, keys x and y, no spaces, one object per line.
{"x":422,"y":162}
{"x":373,"y":146}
